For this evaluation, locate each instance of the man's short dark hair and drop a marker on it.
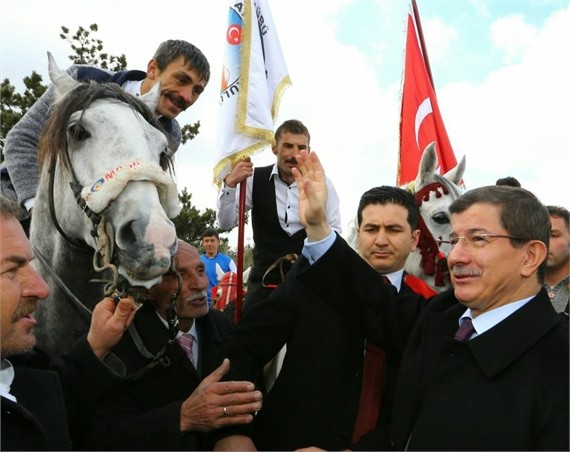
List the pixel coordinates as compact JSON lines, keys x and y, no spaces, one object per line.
{"x":210,"y":232}
{"x":560,"y":212}
{"x":169,"y":50}
{"x":522,"y":214}
{"x":387,"y":194}
{"x":293,"y":126}
{"x":509,"y":181}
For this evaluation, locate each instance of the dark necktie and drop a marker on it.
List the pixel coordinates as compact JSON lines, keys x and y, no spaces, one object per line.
{"x":371,"y":392}
{"x":465,"y":330}
{"x":372,"y":383}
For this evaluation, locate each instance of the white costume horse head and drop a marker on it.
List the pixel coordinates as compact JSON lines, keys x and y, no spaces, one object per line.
{"x":434,"y":194}
{"x":109,"y":148}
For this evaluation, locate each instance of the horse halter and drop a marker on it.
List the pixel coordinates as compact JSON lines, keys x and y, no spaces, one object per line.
{"x":433,"y":260}
{"x":101,"y":231}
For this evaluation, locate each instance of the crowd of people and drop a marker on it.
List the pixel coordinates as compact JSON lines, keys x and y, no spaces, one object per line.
{"x":375,"y":358}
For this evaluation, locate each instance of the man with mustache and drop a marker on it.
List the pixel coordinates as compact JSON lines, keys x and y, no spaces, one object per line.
{"x":183,"y":73}
{"x":484,"y":365}
{"x":170,"y":402}
{"x":34,"y":413}
{"x":271,"y":195}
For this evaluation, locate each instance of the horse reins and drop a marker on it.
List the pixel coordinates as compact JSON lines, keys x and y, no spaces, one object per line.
{"x":172,"y":321}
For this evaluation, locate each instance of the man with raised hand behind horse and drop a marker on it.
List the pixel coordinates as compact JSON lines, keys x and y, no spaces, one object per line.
{"x":323,"y":368}
{"x":33,"y":406}
{"x":485,"y":365}
{"x":173,"y":394}
{"x":183,"y":73}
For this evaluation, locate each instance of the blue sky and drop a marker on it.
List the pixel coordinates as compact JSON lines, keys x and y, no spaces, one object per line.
{"x":501,"y":71}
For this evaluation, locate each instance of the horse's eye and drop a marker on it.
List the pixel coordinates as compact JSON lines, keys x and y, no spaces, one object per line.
{"x":441,"y":218}
{"x":78,"y":133}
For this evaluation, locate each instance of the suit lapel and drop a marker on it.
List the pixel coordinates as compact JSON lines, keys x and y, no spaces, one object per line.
{"x":209,"y":343}
{"x":512,"y":337}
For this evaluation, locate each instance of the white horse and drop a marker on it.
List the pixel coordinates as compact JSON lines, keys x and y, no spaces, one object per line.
{"x":103,"y":205}
{"x":434,"y":194}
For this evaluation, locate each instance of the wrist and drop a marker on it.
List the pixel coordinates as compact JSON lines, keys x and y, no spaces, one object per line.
{"x":316,"y":233}
{"x":228,"y":184}
{"x":99,"y":351}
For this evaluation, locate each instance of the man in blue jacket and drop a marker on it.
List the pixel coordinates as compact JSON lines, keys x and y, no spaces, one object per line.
{"x":182,"y":71}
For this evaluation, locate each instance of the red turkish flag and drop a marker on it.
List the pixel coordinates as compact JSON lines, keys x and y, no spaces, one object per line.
{"x":420,"y":119}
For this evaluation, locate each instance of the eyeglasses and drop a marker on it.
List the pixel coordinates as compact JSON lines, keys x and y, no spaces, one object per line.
{"x":476,"y":241}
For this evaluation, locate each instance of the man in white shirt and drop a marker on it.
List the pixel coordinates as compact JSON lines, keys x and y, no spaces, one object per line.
{"x":272,"y":197}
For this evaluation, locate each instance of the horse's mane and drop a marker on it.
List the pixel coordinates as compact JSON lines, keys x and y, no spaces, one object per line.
{"x":53,"y":139}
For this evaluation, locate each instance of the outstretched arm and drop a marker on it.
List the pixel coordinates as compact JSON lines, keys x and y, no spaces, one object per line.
{"x":312,"y":185}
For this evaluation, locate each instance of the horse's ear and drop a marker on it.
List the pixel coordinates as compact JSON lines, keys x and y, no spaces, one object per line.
{"x":152,"y":97}
{"x":219,"y":272}
{"x":428,"y":164}
{"x":455,"y":175}
{"x":62,"y":81}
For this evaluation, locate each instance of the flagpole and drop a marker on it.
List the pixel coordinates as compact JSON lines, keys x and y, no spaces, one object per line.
{"x":240,"y":250}
{"x":422,"y":42}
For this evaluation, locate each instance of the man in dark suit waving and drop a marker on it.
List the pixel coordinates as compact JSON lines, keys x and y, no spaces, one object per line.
{"x":501,"y":384}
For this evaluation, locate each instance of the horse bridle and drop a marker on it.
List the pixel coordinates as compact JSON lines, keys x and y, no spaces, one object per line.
{"x":119,"y":287}
{"x":433,"y":260}
{"x":161,"y":357}
{"x":101,"y":231}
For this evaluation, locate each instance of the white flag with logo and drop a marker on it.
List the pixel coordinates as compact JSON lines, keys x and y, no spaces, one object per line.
{"x":254,"y":77}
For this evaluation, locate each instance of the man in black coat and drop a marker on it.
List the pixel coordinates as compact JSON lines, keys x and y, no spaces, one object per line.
{"x":501,"y":384}
{"x":315,"y":398}
{"x":172,"y":395}
{"x":34,"y":412}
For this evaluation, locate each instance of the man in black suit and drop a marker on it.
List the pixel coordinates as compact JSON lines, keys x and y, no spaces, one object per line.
{"x":173,"y":394}
{"x":502,"y":385}
{"x":324,"y":355}
{"x":35,"y":413}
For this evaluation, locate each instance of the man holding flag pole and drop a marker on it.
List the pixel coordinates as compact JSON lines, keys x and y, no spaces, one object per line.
{"x":254,"y":78}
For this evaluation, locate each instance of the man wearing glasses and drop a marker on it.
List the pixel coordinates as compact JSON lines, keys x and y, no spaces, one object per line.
{"x":485,"y":365}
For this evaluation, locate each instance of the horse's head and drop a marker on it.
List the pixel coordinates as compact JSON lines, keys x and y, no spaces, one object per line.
{"x":434,"y":194}
{"x":114,"y":152}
